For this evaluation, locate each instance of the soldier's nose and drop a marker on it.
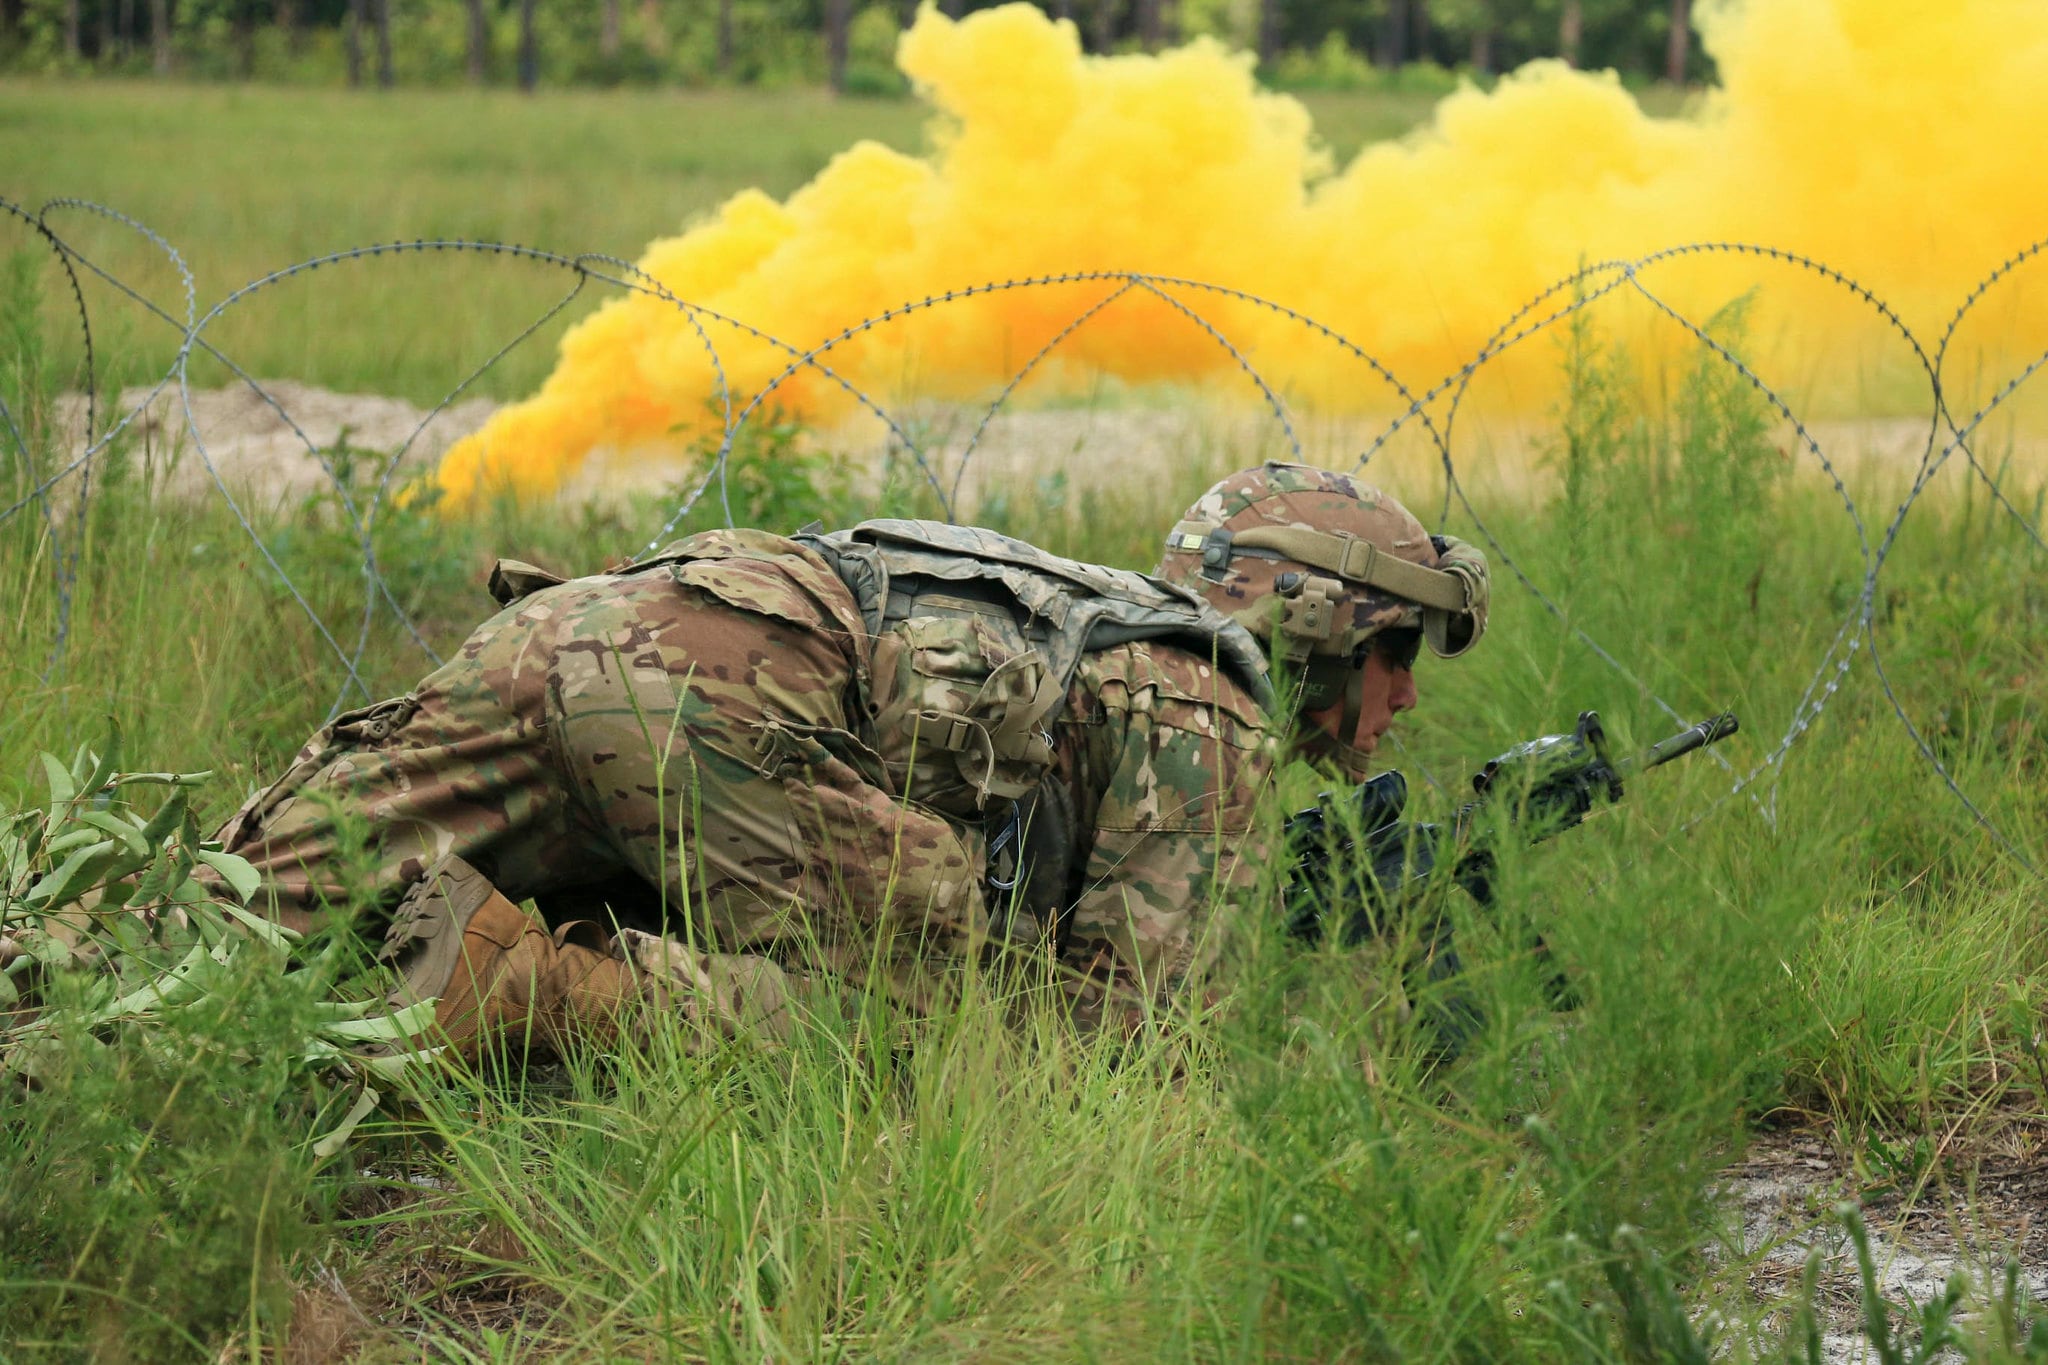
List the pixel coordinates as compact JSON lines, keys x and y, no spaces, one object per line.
{"x":1402,"y":696}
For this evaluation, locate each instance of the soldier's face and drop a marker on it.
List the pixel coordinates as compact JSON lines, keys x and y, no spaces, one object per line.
{"x":1386,"y":689}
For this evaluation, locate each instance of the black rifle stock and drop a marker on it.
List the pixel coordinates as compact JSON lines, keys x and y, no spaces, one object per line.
{"x":1552,"y":781}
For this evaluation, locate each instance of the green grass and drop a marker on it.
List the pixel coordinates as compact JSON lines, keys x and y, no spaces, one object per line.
{"x":1348,"y":120}
{"x":1286,"y":1178}
{"x":246,"y":179}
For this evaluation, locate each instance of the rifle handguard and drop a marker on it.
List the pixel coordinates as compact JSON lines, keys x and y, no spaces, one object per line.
{"x":1559,"y":778}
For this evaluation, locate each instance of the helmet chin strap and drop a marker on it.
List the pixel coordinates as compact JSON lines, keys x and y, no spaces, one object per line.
{"x":1355,"y":762}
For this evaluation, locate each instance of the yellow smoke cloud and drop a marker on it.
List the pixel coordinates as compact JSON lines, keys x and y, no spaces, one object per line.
{"x":1889,"y":138}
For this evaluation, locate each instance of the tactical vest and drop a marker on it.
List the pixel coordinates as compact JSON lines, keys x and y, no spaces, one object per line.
{"x":977,"y":637}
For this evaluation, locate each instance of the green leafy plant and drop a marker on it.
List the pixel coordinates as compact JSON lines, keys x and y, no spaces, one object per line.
{"x":169,"y":1061}
{"x":162,"y":919}
{"x":773,"y":478}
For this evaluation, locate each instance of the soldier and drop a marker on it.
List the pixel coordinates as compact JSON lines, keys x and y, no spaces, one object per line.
{"x":752,"y":761}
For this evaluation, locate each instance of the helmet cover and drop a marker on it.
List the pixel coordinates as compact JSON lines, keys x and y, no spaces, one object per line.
{"x":1318,"y":565}
{"x":1315,"y":563}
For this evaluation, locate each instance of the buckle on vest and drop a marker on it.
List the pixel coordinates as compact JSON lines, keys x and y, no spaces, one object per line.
{"x":953,"y":732}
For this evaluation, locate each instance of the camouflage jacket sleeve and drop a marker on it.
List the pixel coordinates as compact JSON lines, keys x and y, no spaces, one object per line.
{"x":1168,"y":757}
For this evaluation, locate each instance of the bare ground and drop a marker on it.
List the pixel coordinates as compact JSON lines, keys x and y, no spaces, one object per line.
{"x":268,"y":445}
{"x":1955,"y":1216}
{"x":266,"y":442}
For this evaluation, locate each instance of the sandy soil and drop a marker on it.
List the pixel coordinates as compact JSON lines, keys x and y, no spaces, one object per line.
{"x":1779,"y":1204}
{"x":263,"y":444}
{"x":257,"y":451}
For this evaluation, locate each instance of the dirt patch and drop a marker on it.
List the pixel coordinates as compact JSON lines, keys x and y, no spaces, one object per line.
{"x":429,"y":1265}
{"x":1955,"y":1219}
{"x":266,"y":442}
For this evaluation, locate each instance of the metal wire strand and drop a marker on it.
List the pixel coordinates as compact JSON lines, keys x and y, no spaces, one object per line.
{"x":1434,"y":409}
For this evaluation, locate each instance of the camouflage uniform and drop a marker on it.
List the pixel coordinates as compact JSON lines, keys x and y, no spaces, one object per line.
{"x":691,"y":744}
{"x":767,"y":757}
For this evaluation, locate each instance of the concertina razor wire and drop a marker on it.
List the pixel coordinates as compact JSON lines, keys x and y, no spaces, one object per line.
{"x":1434,"y":410}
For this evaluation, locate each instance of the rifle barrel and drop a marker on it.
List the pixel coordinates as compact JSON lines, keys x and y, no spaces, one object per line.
{"x":1709,"y":731}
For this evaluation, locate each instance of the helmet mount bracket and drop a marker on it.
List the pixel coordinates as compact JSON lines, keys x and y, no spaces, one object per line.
{"x":1309,"y":612}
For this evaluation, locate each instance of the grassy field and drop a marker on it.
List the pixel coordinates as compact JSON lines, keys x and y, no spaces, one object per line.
{"x":1839,"y":948}
{"x":246,"y":180}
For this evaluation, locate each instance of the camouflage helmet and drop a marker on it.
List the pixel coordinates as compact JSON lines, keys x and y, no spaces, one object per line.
{"x":1316,"y":564}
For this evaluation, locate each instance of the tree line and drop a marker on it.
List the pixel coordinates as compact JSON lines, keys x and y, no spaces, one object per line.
{"x":533,"y":42}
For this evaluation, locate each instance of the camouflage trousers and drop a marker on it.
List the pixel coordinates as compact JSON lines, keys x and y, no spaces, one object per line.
{"x":668,"y":749}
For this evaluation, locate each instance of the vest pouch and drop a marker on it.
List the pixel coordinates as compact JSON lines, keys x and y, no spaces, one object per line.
{"x":960,"y":706}
{"x":787,"y":750}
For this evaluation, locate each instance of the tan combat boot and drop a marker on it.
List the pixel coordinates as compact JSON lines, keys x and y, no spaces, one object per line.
{"x":498,"y":977}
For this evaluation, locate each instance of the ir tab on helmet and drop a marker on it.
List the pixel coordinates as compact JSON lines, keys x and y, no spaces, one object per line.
{"x":1216,"y":547}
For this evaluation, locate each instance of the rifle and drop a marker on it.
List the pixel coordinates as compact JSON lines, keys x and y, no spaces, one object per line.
{"x":1553,"y":782}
